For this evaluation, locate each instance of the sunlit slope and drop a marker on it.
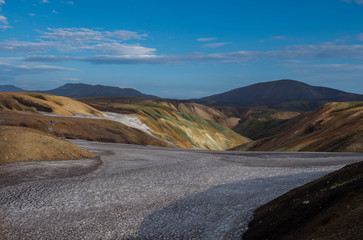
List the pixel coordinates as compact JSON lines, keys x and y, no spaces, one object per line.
{"x":22,"y":109}
{"x":33,"y":102}
{"x":177,"y":123}
{"x":334,"y":127}
{"x":25,"y":144}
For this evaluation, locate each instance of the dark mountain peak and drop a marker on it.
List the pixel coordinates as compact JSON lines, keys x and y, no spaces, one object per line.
{"x":273,"y":93}
{"x":10,"y":88}
{"x":77,"y":90}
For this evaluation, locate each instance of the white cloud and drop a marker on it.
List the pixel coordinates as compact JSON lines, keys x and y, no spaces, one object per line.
{"x":69,"y":3}
{"x":8,"y":71}
{"x":90,"y":35}
{"x":72,"y":79}
{"x":81,"y":40}
{"x":45,"y":1}
{"x":290,"y":53}
{"x":125,"y":35}
{"x":3,"y":20}
{"x":216,"y":45}
{"x":31,"y":14}
{"x":278,"y":37}
{"x":54,"y":11}
{"x":206,"y":39}
{"x":2,"y":2}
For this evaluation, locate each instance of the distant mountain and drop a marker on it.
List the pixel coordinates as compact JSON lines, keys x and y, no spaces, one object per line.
{"x":10,"y":88}
{"x":281,"y":94}
{"x":78,"y":90}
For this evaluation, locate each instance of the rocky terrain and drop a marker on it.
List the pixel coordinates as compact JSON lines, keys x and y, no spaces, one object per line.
{"x":141,"y":192}
{"x":34,"y":102}
{"x":335,"y":127}
{"x":256,"y":123}
{"x":329,"y":208}
{"x":185,"y":124}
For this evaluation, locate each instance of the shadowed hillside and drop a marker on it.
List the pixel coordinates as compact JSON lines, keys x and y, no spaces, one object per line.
{"x":256,"y":123}
{"x":334,"y":127}
{"x":330,"y":208}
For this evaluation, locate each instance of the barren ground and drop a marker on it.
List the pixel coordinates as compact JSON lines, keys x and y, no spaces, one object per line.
{"x":149,"y":192}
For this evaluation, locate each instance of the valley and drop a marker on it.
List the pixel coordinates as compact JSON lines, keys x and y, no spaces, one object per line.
{"x":141,"y":192}
{"x":135,"y":166}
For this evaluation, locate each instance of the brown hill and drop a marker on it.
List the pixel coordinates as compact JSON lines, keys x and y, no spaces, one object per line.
{"x":79,"y":128}
{"x":33,"y":102}
{"x":185,"y":124}
{"x":334,"y":127}
{"x":330,"y":208}
{"x":24,"y":144}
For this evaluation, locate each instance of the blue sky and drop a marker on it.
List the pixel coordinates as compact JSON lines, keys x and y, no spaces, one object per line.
{"x":181,"y":49}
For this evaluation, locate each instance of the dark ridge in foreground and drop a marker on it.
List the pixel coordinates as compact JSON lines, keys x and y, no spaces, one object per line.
{"x":328,"y":208}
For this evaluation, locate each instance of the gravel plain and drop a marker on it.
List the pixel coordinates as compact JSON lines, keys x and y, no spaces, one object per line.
{"x":138,"y":192}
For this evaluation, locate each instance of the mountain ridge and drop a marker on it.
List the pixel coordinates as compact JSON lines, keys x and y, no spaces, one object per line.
{"x":274,"y":94}
{"x":78,"y":90}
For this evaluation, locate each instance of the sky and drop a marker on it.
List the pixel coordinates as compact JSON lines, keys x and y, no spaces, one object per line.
{"x":181,"y":48}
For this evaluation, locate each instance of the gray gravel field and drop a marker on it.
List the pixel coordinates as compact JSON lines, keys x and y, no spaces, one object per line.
{"x":137,"y":192}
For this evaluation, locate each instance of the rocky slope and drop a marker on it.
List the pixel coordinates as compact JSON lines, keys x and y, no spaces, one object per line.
{"x":330,"y":208}
{"x":334,"y":127}
{"x":34,"y":102}
{"x":256,"y":123}
{"x":25,"y":144}
{"x":185,"y":124}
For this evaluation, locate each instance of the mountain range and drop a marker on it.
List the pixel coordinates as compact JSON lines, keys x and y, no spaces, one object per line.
{"x":78,"y":90}
{"x":281,"y":94}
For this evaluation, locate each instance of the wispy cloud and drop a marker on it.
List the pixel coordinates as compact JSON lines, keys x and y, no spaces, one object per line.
{"x":3,"y":20}
{"x":69,"y":2}
{"x":72,"y":79}
{"x":31,"y":14}
{"x":289,"y":53}
{"x":80,"y":40}
{"x":278,"y":37}
{"x":206,"y":39}
{"x":360,"y":37}
{"x":8,"y":71}
{"x":215,"y":45}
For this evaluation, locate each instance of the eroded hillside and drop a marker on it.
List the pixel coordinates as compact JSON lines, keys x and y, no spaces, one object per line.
{"x":256,"y":123}
{"x":34,"y":102}
{"x":334,"y":127}
{"x":185,"y":124}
